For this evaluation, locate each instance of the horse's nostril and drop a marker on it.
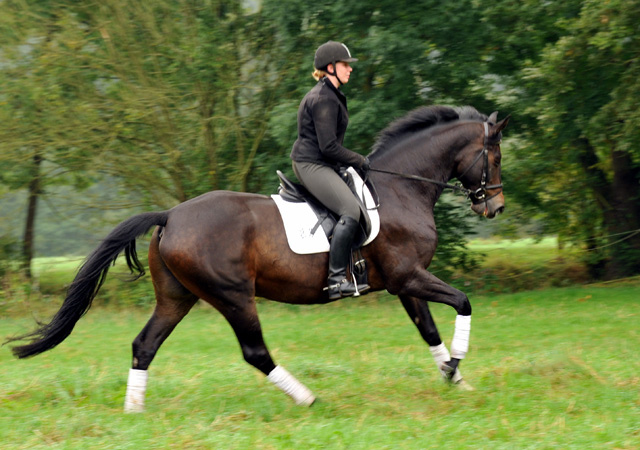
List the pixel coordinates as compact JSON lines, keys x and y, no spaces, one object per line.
{"x":500,"y":210}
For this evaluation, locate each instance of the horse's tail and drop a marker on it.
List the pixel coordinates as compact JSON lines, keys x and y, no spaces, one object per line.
{"x":88,"y":281}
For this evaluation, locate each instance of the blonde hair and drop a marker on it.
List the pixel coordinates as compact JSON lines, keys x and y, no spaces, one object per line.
{"x":318,"y":74}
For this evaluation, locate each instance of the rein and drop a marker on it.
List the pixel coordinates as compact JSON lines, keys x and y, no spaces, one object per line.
{"x":455,"y":187}
{"x":477,"y":196}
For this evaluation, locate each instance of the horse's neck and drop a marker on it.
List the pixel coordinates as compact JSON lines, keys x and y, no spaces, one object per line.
{"x":433,"y":158}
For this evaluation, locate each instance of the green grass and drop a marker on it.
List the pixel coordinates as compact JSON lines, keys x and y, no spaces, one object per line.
{"x":553,"y":369}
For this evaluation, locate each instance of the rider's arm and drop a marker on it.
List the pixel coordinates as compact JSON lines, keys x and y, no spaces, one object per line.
{"x":325,"y":117}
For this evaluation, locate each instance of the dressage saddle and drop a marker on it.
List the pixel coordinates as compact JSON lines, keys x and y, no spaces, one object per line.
{"x":297,"y":193}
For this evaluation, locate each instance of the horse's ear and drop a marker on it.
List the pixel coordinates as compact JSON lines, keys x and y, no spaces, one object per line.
{"x":493,"y":118}
{"x":501,"y":125}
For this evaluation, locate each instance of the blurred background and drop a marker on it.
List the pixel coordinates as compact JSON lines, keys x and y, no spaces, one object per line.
{"x":116,"y":107}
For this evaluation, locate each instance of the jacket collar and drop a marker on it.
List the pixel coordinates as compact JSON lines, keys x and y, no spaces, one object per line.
{"x":326,"y":82}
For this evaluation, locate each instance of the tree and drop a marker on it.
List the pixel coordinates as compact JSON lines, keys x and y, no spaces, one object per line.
{"x":162,"y":95}
{"x":584,"y":172}
{"x":46,"y":138}
{"x":185,"y":95}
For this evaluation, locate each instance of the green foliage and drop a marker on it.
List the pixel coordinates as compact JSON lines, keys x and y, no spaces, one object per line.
{"x":176,"y":97}
{"x":578,"y":165}
{"x":454,"y":229}
{"x":8,"y":254}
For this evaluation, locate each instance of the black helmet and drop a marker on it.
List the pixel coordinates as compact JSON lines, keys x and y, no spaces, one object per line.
{"x":331,"y":52}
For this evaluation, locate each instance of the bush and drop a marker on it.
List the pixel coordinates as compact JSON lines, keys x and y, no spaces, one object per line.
{"x":505,"y":276}
{"x":9,"y":254}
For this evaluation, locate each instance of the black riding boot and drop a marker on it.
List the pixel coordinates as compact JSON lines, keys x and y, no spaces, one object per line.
{"x":339,"y":254}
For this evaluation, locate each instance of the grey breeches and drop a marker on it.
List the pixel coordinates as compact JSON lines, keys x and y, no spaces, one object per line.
{"x":327,"y":186}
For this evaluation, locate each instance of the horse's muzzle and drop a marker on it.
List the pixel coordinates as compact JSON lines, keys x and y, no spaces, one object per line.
{"x":491,"y":208}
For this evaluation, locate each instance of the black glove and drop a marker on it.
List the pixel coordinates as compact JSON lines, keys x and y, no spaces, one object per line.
{"x":366,"y":166}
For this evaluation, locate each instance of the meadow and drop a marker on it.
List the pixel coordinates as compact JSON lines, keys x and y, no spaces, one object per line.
{"x":553,"y":369}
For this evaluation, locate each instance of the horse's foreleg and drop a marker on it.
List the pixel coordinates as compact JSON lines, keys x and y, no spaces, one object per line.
{"x":246,"y":325}
{"x":418,"y":310}
{"x":420,"y":314}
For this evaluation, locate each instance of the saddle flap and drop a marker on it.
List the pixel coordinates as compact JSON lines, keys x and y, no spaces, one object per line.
{"x":348,"y":176}
{"x":292,"y":196}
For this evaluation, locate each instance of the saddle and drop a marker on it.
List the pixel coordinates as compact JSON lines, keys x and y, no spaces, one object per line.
{"x":290,"y":193}
{"x":296,"y":193}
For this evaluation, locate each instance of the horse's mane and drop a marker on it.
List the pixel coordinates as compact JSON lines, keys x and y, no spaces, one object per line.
{"x":422,"y":118}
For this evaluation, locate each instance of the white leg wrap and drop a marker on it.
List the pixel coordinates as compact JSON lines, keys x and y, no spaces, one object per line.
{"x":440,"y":355}
{"x":460,"y":342}
{"x":136,"y":388}
{"x":290,"y":386}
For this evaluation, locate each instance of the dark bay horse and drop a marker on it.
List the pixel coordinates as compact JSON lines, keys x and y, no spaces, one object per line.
{"x":227,"y":248}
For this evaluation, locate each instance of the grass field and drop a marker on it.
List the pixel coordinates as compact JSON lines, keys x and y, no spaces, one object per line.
{"x":553,"y":369}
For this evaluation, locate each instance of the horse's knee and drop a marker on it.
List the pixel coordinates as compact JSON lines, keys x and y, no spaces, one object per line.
{"x":462,"y":304}
{"x":259,"y":358}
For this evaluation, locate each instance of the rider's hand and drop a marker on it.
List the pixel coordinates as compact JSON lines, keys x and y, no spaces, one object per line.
{"x":366,"y":166}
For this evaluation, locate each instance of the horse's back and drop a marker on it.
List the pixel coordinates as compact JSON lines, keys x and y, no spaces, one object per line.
{"x":237,"y":240}
{"x":214,"y":219}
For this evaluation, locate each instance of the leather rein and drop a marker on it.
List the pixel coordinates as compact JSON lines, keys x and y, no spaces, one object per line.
{"x":479,"y":195}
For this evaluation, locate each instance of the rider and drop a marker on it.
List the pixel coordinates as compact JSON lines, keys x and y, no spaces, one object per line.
{"x":318,"y":153}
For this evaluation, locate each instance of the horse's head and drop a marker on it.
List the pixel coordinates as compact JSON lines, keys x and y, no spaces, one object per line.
{"x":479,"y":168}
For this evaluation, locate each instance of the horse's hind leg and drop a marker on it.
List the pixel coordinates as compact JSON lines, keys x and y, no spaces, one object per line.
{"x":420,"y":314}
{"x":173,"y":302}
{"x":243,"y":318}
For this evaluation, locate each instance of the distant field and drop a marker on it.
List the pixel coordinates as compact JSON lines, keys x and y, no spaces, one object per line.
{"x":67,"y":264}
{"x":521,"y":251}
{"x":553,"y":369}
{"x":525,"y":250}
{"x":506,"y":266}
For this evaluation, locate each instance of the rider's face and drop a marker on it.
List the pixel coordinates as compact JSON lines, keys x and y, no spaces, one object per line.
{"x":343,"y":70}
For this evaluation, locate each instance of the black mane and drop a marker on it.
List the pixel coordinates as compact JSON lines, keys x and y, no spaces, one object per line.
{"x":422,"y":118}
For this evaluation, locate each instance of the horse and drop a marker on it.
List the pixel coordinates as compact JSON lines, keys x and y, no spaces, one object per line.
{"x":227,"y":248}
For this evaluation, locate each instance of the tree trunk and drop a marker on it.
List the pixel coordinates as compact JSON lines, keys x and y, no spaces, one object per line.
{"x":623,"y":218}
{"x":28,"y":242}
{"x":206,"y":116}
{"x":596,"y":260}
{"x":619,"y":203}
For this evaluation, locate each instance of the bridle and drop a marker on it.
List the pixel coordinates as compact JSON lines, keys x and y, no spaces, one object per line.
{"x":480,"y":195}
{"x":476,"y":196}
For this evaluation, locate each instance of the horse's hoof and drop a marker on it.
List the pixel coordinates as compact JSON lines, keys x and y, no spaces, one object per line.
{"x":464,"y":386}
{"x":450,"y":375}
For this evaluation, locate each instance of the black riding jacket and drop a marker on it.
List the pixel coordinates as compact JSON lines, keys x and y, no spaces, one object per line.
{"x":322,"y":122}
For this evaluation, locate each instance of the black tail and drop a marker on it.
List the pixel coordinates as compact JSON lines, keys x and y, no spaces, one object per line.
{"x":88,"y":281}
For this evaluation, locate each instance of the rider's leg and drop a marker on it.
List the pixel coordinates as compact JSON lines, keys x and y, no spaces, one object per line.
{"x":329,"y":188}
{"x":339,"y":253}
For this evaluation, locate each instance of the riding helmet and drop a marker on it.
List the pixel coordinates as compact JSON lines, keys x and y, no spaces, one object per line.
{"x":331,"y":52}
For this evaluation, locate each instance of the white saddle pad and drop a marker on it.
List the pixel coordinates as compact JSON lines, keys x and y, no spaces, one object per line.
{"x":299,"y":221}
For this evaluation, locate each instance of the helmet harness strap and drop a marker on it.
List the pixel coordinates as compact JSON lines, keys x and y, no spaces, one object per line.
{"x":335,"y":72}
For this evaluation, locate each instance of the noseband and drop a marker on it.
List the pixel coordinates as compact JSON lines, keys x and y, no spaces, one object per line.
{"x":479,"y":195}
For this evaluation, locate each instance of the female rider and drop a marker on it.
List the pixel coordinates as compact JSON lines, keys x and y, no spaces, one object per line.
{"x":318,"y":153}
